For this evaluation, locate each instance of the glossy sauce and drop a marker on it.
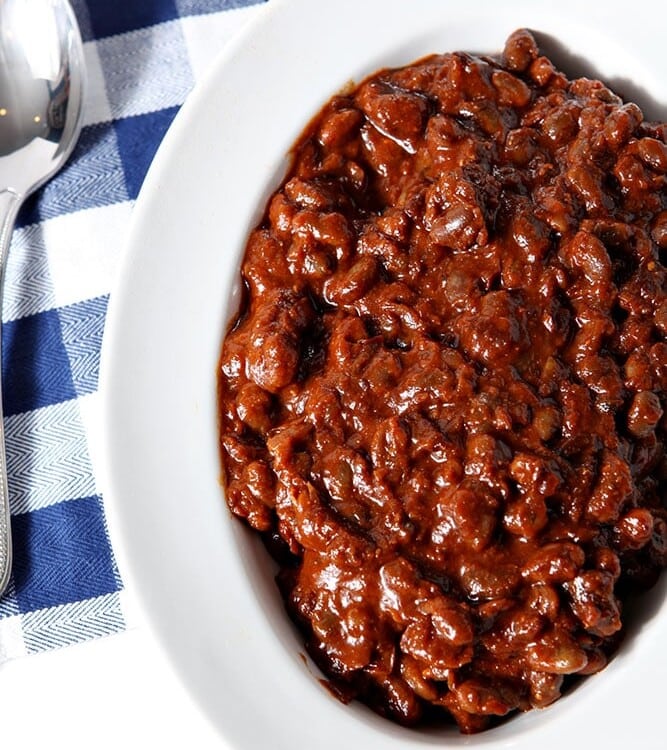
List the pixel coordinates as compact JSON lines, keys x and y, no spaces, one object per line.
{"x":442,"y":400}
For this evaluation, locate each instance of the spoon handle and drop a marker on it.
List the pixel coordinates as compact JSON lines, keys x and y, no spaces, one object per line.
{"x":9,"y":206}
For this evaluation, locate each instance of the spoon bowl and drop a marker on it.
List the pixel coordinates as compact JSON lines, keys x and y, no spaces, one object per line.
{"x":42,"y":75}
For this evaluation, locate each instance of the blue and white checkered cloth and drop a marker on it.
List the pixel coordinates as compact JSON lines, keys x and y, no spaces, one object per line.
{"x":143,"y":58}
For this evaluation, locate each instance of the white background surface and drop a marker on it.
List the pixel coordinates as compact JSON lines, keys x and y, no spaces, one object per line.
{"x":117,"y":692}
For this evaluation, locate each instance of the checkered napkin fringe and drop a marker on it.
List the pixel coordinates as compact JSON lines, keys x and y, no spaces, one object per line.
{"x":143,"y":58}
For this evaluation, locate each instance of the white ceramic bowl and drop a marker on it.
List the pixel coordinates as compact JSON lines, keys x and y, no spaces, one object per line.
{"x":205,"y":584}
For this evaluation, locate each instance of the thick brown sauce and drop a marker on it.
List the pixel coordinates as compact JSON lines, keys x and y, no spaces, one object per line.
{"x":442,"y":400}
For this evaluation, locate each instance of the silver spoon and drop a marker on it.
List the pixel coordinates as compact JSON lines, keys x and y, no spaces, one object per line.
{"x":41,"y":83}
